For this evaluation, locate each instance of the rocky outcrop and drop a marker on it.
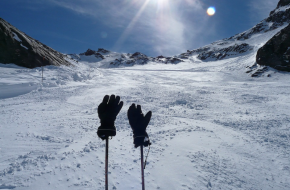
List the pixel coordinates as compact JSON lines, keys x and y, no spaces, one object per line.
{"x":18,"y":48}
{"x":97,"y":54}
{"x":141,"y":59}
{"x":276,"y":19}
{"x":219,"y":54}
{"x":275,"y":53}
{"x":132,"y":59}
{"x":283,"y":3}
{"x":237,"y":44}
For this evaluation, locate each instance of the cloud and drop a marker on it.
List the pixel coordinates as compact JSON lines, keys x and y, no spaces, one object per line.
{"x":164,"y":27}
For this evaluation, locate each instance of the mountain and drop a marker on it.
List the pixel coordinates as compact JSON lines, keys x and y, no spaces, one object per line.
{"x":212,"y":127}
{"x":241,"y":44}
{"x":245,"y":42}
{"x":19,"y":48}
{"x":112,"y":59}
{"x":275,"y":53}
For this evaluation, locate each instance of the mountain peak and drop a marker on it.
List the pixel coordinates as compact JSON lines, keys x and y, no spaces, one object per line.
{"x":283,"y":3}
{"x":22,"y":50}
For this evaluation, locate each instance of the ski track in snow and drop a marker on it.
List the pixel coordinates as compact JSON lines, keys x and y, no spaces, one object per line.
{"x":212,"y":127}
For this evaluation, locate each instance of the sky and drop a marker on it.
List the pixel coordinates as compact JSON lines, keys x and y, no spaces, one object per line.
{"x":152,"y":27}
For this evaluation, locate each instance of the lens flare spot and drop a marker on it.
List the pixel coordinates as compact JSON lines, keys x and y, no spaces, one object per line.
{"x":104,"y":35}
{"x":211,"y":11}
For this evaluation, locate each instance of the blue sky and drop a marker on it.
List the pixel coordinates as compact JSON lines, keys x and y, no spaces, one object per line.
{"x":153,"y":27}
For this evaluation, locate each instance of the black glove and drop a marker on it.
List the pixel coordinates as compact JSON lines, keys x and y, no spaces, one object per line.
{"x":108,"y":111}
{"x":139,"y":124}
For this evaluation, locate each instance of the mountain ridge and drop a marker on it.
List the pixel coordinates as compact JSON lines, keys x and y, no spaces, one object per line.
{"x":19,"y":48}
{"x":234,"y":46}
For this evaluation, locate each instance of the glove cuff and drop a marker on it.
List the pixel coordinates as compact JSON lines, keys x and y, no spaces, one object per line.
{"x":108,"y":124}
{"x":141,"y":139}
{"x":107,"y":129}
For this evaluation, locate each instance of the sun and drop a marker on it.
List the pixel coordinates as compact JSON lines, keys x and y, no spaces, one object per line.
{"x":211,"y":11}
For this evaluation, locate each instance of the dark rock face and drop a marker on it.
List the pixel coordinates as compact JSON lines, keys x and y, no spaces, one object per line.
{"x":18,"y":48}
{"x":101,"y":50}
{"x":275,"y":53}
{"x":88,"y":52}
{"x":132,"y":59}
{"x":283,"y":3}
{"x":222,"y":53}
{"x":141,"y":59}
{"x":277,"y":18}
{"x":225,"y":48}
{"x":97,"y":54}
{"x":138,"y":55}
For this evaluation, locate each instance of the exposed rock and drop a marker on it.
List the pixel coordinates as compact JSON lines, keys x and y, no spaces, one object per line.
{"x":259,"y":72}
{"x":235,"y":45}
{"x":173,"y":60}
{"x":101,"y":50}
{"x":138,"y":55}
{"x":274,"y":52}
{"x":18,"y":48}
{"x":160,"y":57}
{"x":220,"y":54}
{"x":98,"y":55}
{"x":283,"y":3}
{"x":90,"y":52}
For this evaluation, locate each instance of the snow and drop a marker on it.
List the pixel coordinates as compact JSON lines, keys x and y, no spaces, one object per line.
{"x":213,"y":126}
{"x":24,"y":46}
{"x":16,"y":37}
{"x":282,"y":9}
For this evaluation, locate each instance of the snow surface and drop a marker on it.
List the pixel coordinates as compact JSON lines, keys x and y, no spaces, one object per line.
{"x":212,"y":127}
{"x":24,"y":46}
{"x":16,"y":37}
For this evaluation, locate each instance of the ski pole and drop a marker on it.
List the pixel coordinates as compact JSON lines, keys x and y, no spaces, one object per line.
{"x":142,"y":168}
{"x":106,"y":165}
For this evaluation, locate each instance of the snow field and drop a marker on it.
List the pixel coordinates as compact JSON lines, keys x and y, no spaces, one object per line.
{"x":212,"y":127}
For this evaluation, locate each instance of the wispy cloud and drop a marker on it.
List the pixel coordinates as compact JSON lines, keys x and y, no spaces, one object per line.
{"x":164,"y":27}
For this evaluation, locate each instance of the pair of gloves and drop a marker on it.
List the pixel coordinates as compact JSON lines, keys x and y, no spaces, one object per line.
{"x":108,"y":111}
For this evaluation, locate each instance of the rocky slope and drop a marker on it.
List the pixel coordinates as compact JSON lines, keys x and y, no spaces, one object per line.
{"x":238,"y":45}
{"x":121,"y":59}
{"x":275,"y":53}
{"x":242,"y":43}
{"x":18,"y":48}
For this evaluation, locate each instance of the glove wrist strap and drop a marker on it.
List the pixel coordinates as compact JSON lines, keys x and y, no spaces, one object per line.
{"x":107,"y":124}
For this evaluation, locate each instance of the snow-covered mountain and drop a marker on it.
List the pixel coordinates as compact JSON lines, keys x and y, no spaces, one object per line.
{"x":212,"y":126}
{"x":250,"y":40}
{"x":19,"y":48}
{"x":241,"y":44}
{"x":107,"y":58}
{"x":275,"y":52}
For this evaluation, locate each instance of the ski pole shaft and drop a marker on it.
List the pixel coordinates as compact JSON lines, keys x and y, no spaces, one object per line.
{"x":106,"y":165}
{"x":142,"y":168}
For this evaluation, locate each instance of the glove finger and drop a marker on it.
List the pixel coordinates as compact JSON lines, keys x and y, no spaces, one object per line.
{"x":112,"y":99}
{"x":106,"y":98}
{"x":131,"y":111}
{"x":139,"y":111}
{"x":117,"y":100}
{"x":119,"y":107}
{"x":131,"y":114}
{"x":132,"y":108}
{"x":147,"y":119}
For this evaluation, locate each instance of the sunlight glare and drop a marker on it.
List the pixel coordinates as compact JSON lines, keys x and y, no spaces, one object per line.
{"x":211,"y":11}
